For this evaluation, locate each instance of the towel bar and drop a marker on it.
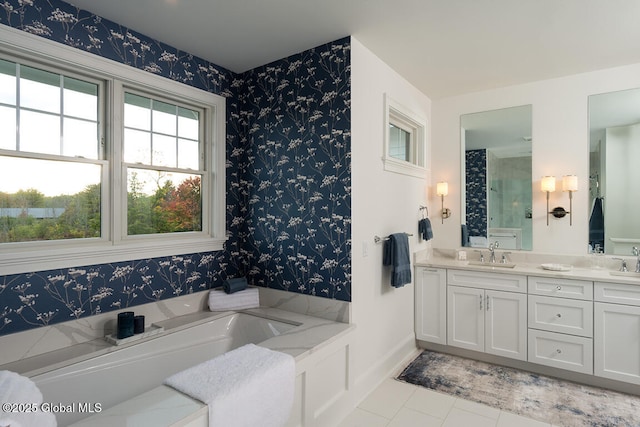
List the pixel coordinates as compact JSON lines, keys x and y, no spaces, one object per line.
{"x":378,"y":239}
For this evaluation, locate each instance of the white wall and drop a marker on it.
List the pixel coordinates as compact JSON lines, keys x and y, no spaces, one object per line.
{"x":560,"y":147}
{"x":382,"y":203}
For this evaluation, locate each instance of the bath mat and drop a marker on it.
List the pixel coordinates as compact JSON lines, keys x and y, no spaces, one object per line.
{"x":542,"y":398}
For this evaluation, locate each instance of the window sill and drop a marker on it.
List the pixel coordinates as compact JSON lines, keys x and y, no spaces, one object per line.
{"x":17,"y":262}
{"x":405,"y":168}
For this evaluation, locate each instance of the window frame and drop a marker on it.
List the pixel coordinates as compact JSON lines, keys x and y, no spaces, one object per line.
{"x":401,"y":117}
{"x":113,"y":246}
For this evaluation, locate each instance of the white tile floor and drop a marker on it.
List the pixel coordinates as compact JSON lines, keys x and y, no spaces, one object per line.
{"x":398,"y":404}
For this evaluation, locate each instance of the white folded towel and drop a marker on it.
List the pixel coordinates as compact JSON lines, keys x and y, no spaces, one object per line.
{"x":241,"y":300}
{"x":249,"y":386}
{"x":15,"y":388}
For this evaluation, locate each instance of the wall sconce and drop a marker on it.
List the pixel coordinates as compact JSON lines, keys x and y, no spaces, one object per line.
{"x":442,"y":189}
{"x":548,"y":185}
{"x":570,"y":184}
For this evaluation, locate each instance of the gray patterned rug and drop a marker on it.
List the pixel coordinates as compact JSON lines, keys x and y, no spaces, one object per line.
{"x":542,"y":398}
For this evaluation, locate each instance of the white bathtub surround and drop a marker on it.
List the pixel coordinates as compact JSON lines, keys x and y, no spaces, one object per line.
{"x":324,"y":308}
{"x":161,"y":406}
{"x":77,"y":337}
{"x":322,"y":350}
{"x":321,"y":343}
{"x":248,"y":386}
{"x":20,"y":390}
{"x":219,"y":300}
{"x":28,"y":350}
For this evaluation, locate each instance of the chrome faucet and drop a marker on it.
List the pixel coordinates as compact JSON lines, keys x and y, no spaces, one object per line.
{"x":623,"y":265}
{"x":492,"y":252}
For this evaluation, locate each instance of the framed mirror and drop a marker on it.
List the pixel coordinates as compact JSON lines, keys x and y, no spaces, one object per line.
{"x":496,"y":173}
{"x":614,"y":150}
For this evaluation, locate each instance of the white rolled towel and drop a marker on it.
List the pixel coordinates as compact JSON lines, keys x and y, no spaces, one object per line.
{"x":20,"y":390}
{"x":246,"y":387}
{"x":241,"y":300}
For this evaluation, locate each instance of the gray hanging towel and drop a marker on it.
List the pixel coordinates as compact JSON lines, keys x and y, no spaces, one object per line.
{"x":396,"y":254}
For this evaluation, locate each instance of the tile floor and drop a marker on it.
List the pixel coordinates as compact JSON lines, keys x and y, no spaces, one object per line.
{"x":398,"y":404}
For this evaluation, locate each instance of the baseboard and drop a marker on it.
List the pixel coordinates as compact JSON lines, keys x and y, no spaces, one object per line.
{"x":390,"y":363}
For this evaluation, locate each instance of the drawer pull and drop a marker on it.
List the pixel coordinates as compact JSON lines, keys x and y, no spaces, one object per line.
{"x":558,"y":288}
{"x":558,"y":315}
{"x":559,"y":351}
{"x":480,"y":302}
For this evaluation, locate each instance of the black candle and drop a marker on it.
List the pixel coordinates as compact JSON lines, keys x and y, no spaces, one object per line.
{"x":125,"y":324}
{"x":138,"y":324}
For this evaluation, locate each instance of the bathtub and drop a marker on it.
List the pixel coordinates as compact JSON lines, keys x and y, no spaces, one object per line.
{"x":100,"y":382}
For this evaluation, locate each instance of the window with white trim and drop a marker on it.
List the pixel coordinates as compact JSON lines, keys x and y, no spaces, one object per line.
{"x":98,"y":164}
{"x":405,"y":143}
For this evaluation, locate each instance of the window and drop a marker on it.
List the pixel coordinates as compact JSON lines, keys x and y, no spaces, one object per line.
{"x":100,"y":162}
{"x":164,"y":171}
{"x":404,"y":140}
{"x":400,"y":143}
{"x":51,"y":162}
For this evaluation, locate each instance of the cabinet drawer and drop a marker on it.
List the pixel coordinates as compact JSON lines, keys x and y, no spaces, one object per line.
{"x":561,"y":315}
{"x":487,"y":280}
{"x":564,"y":288}
{"x":561,"y":351}
{"x":617,"y":293}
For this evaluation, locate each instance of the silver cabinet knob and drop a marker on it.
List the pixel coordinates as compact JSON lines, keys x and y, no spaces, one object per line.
{"x":559,"y":351}
{"x":558,"y":315}
{"x":558,"y":288}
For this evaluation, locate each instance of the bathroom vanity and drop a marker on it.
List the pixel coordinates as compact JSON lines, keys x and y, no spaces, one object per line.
{"x":583,"y":320}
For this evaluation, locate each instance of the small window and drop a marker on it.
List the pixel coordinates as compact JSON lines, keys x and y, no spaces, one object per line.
{"x":400,"y":143}
{"x":404,"y":140}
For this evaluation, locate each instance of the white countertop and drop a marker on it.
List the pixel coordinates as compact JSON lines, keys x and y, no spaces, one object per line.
{"x":530,"y":269}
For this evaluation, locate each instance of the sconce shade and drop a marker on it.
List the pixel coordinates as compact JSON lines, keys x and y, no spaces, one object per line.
{"x":548,"y":184}
{"x":442,"y":188}
{"x":569,"y":183}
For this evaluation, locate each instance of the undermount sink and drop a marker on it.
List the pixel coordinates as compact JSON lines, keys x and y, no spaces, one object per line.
{"x":492,"y":264}
{"x":625,"y":273}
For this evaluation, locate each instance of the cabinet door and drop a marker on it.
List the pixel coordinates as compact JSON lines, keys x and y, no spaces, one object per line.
{"x":506,"y":324}
{"x":431,"y":304}
{"x":465,"y":317}
{"x":616,"y":342}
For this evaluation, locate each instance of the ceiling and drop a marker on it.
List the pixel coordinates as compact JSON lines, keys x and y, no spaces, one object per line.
{"x":443,"y":47}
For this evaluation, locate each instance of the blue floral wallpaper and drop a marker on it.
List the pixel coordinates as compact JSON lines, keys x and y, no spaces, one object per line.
{"x":288,"y":177}
{"x":297,"y":117}
{"x":476,"y":192}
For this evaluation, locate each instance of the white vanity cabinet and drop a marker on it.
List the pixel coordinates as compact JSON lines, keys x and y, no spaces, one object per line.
{"x":431,"y":304}
{"x":617,"y":332}
{"x":561,"y":323}
{"x":570,"y":323}
{"x":487,"y":312}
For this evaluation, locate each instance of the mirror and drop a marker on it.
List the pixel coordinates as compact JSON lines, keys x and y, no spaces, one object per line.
{"x":497,"y":203}
{"x":614,"y":150}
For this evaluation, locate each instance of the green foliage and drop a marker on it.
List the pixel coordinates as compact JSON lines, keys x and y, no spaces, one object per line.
{"x":168,"y":210}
